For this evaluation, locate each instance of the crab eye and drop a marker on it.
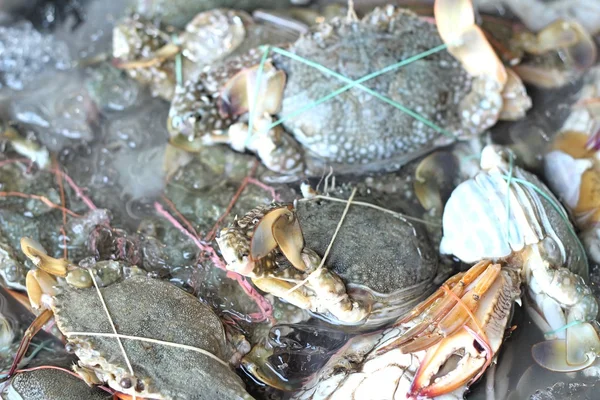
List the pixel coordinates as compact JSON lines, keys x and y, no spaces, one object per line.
{"x":125,"y":383}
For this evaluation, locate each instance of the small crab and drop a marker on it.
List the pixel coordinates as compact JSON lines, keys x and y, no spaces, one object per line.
{"x":367,"y":280}
{"x":147,"y":50}
{"x":354,"y":130}
{"x":175,"y":347}
{"x":446,"y":343}
{"x":50,"y":383}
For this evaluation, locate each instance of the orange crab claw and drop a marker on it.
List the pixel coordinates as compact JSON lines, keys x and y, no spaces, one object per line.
{"x":427,"y":384}
{"x":463,"y":356}
{"x":458,"y":314}
{"x":436,"y":308}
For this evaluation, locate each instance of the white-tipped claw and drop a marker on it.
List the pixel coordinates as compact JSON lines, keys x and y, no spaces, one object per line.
{"x":38,"y":256}
{"x":238,"y":94}
{"x":38,"y":284}
{"x":288,"y":235}
{"x":452,"y":18}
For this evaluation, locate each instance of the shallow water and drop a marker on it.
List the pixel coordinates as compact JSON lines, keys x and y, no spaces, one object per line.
{"x":107,"y":138}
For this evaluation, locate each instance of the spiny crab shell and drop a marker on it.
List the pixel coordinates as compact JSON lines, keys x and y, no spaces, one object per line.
{"x":353,"y":131}
{"x":147,"y":50}
{"x":384,"y":276}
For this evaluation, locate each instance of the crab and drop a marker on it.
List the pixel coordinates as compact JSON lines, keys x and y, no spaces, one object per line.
{"x":161,"y":316}
{"x":50,"y":383}
{"x":550,"y":57}
{"x":363,"y":284}
{"x":445,"y":343}
{"x":148,"y":50}
{"x":354,"y":131}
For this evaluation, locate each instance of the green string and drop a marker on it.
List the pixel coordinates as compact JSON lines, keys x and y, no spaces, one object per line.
{"x":556,"y":207}
{"x":259,"y":74}
{"x":564,"y":327}
{"x":178,"y":64}
{"x":356,"y":83}
{"x":327,"y":71}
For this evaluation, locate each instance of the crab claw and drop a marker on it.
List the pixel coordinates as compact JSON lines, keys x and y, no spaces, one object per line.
{"x":466,"y":41}
{"x":40,"y":258}
{"x":578,"y":44}
{"x":553,"y":355}
{"x":427,"y":383}
{"x":239,"y":94}
{"x":472,"y":338}
{"x":279,"y":227}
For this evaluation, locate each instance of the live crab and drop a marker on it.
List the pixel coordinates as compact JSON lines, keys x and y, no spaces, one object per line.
{"x":461,"y":92}
{"x":518,"y":234}
{"x":180,"y":350}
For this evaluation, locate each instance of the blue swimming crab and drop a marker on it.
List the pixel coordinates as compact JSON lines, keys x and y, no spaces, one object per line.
{"x":175,"y":346}
{"x":458,"y":93}
{"x":445,"y":343}
{"x":364,"y":283}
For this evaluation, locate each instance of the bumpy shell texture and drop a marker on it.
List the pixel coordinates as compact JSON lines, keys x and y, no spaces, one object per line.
{"x":149,"y":308}
{"x":356,"y":128}
{"x":384,"y":257}
{"x":46,"y":384}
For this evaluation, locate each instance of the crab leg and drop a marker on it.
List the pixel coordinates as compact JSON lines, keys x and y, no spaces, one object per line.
{"x":458,"y":316}
{"x":437,"y":311}
{"x":493,"y":313}
{"x":455,"y":21}
{"x":33,"y":329}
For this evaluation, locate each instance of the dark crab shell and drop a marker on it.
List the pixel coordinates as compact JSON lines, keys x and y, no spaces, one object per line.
{"x":355,"y":130}
{"x":149,"y":308}
{"x":382,"y":257}
{"x":43,"y":384}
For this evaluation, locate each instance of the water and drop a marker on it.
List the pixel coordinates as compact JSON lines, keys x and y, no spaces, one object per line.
{"x":108,"y":134}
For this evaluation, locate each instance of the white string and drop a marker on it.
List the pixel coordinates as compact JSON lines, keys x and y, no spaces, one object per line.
{"x":149,"y":340}
{"x":365,"y":204}
{"x":337,"y":229}
{"x":112,"y":324}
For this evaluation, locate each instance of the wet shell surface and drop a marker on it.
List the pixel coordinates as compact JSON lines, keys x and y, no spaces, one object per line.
{"x":503,"y":218}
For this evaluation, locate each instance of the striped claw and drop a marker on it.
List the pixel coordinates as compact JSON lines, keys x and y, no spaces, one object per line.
{"x":467,"y":317}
